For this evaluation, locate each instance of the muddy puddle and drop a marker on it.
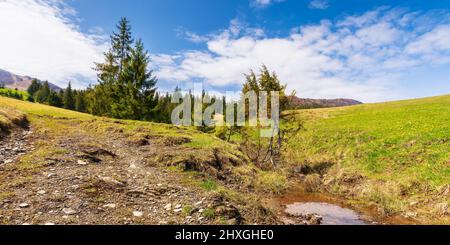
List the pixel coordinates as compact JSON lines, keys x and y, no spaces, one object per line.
{"x":331,"y":214}
{"x":333,"y":211}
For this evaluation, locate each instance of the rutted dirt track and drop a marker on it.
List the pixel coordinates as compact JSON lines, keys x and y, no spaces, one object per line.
{"x":101,"y":179}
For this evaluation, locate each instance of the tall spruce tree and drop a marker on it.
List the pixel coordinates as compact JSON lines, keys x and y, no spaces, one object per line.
{"x":139,"y":84}
{"x":126,"y":87}
{"x":121,"y":43}
{"x":68,"y":98}
{"x":104,"y":97}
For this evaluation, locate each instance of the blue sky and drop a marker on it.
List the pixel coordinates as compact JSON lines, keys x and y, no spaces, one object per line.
{"x":371,"y":50}
{"x":158,"y":22}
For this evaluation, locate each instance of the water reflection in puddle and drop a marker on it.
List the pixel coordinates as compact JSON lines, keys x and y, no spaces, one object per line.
{"x":332,"y":214}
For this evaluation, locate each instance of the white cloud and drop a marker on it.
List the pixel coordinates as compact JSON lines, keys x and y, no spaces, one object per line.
{"x":362,"y":57}
{"x":40,"y":38}
{"x":264,"y":3}
{"x":319,"y":4}
{"x":432,"y":44}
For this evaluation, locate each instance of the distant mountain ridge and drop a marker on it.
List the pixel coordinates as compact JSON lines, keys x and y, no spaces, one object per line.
{"x":13,"y":81}
{"x":304,"y":103}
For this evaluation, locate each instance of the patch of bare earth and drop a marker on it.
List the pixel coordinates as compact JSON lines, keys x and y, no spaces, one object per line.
{"x":77,"y":177}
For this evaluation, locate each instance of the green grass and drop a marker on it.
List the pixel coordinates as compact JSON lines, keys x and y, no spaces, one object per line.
{"x":42,"y":110}
{"x":209,"y":185}
{"x":404,"y":143}
{"x":406,"y":139}
{"x":187,"y":209}
{"x":209,"y":213}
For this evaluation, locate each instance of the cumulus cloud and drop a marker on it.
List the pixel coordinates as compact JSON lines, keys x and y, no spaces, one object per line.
{"x":319,"y":4}
{"x":41,"y":38}
{"x":362,"y":57}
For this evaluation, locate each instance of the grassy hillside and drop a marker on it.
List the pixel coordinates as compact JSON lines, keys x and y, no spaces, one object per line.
{"x":123,"y":162}
{"x":395,"y":155}
{"x":392,"y":156}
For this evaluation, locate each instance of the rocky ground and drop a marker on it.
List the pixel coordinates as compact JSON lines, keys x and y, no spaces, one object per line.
{"x":102,"y":179}
{"x":15,"y":145}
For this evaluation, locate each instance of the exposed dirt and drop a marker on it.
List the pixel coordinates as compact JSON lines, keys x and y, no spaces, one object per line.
{"x":103,"y":179}
{"x":15,"y":145}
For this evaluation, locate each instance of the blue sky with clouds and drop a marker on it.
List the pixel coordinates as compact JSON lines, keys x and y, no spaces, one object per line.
{"x":371,"y":50}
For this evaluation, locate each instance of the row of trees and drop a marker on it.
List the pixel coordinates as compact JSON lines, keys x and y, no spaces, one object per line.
{"x":68,"y":98}
{"x":125,"y":90}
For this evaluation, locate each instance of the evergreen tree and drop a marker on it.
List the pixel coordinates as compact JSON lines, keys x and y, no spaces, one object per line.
{"x":121,"y":43}
{"x":139,"y":89}
{"x":34,"y":87}
{"x":42,"y":95}
{"x":108,"y":93}
{"x":126,"y":87}
{"x":80,"y":104}
{"x":267,"y":82}
{"x":68,"y":98}
{"x":54,"y":99}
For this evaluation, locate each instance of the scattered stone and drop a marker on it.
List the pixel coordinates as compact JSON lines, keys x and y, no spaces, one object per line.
{"x":410,"y":215}
{"x":414,"y":203}
{"x":198,"y":203}
{"x":133,"y":166}
{"x":111,"y":181}
{"x":177,"y":210}
{"x":50,"y":175}
{"x":41,"y":192}
{"x":111,"y":205}
{"x":69,"y":211}
{"x":314,"y":219}
{"x":8,"y":161}
{"x":138,"y":214}
{"x":81,"y":162}
{"x":135,"y":193}
{"x":168,"y":207}
{"x":24,"y":205}
{"x":178,"y":206}
{"x":442,"y":208}
{"x":49,"y":223}
{"x":232,"y":222}
{"x":26,"y":224}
